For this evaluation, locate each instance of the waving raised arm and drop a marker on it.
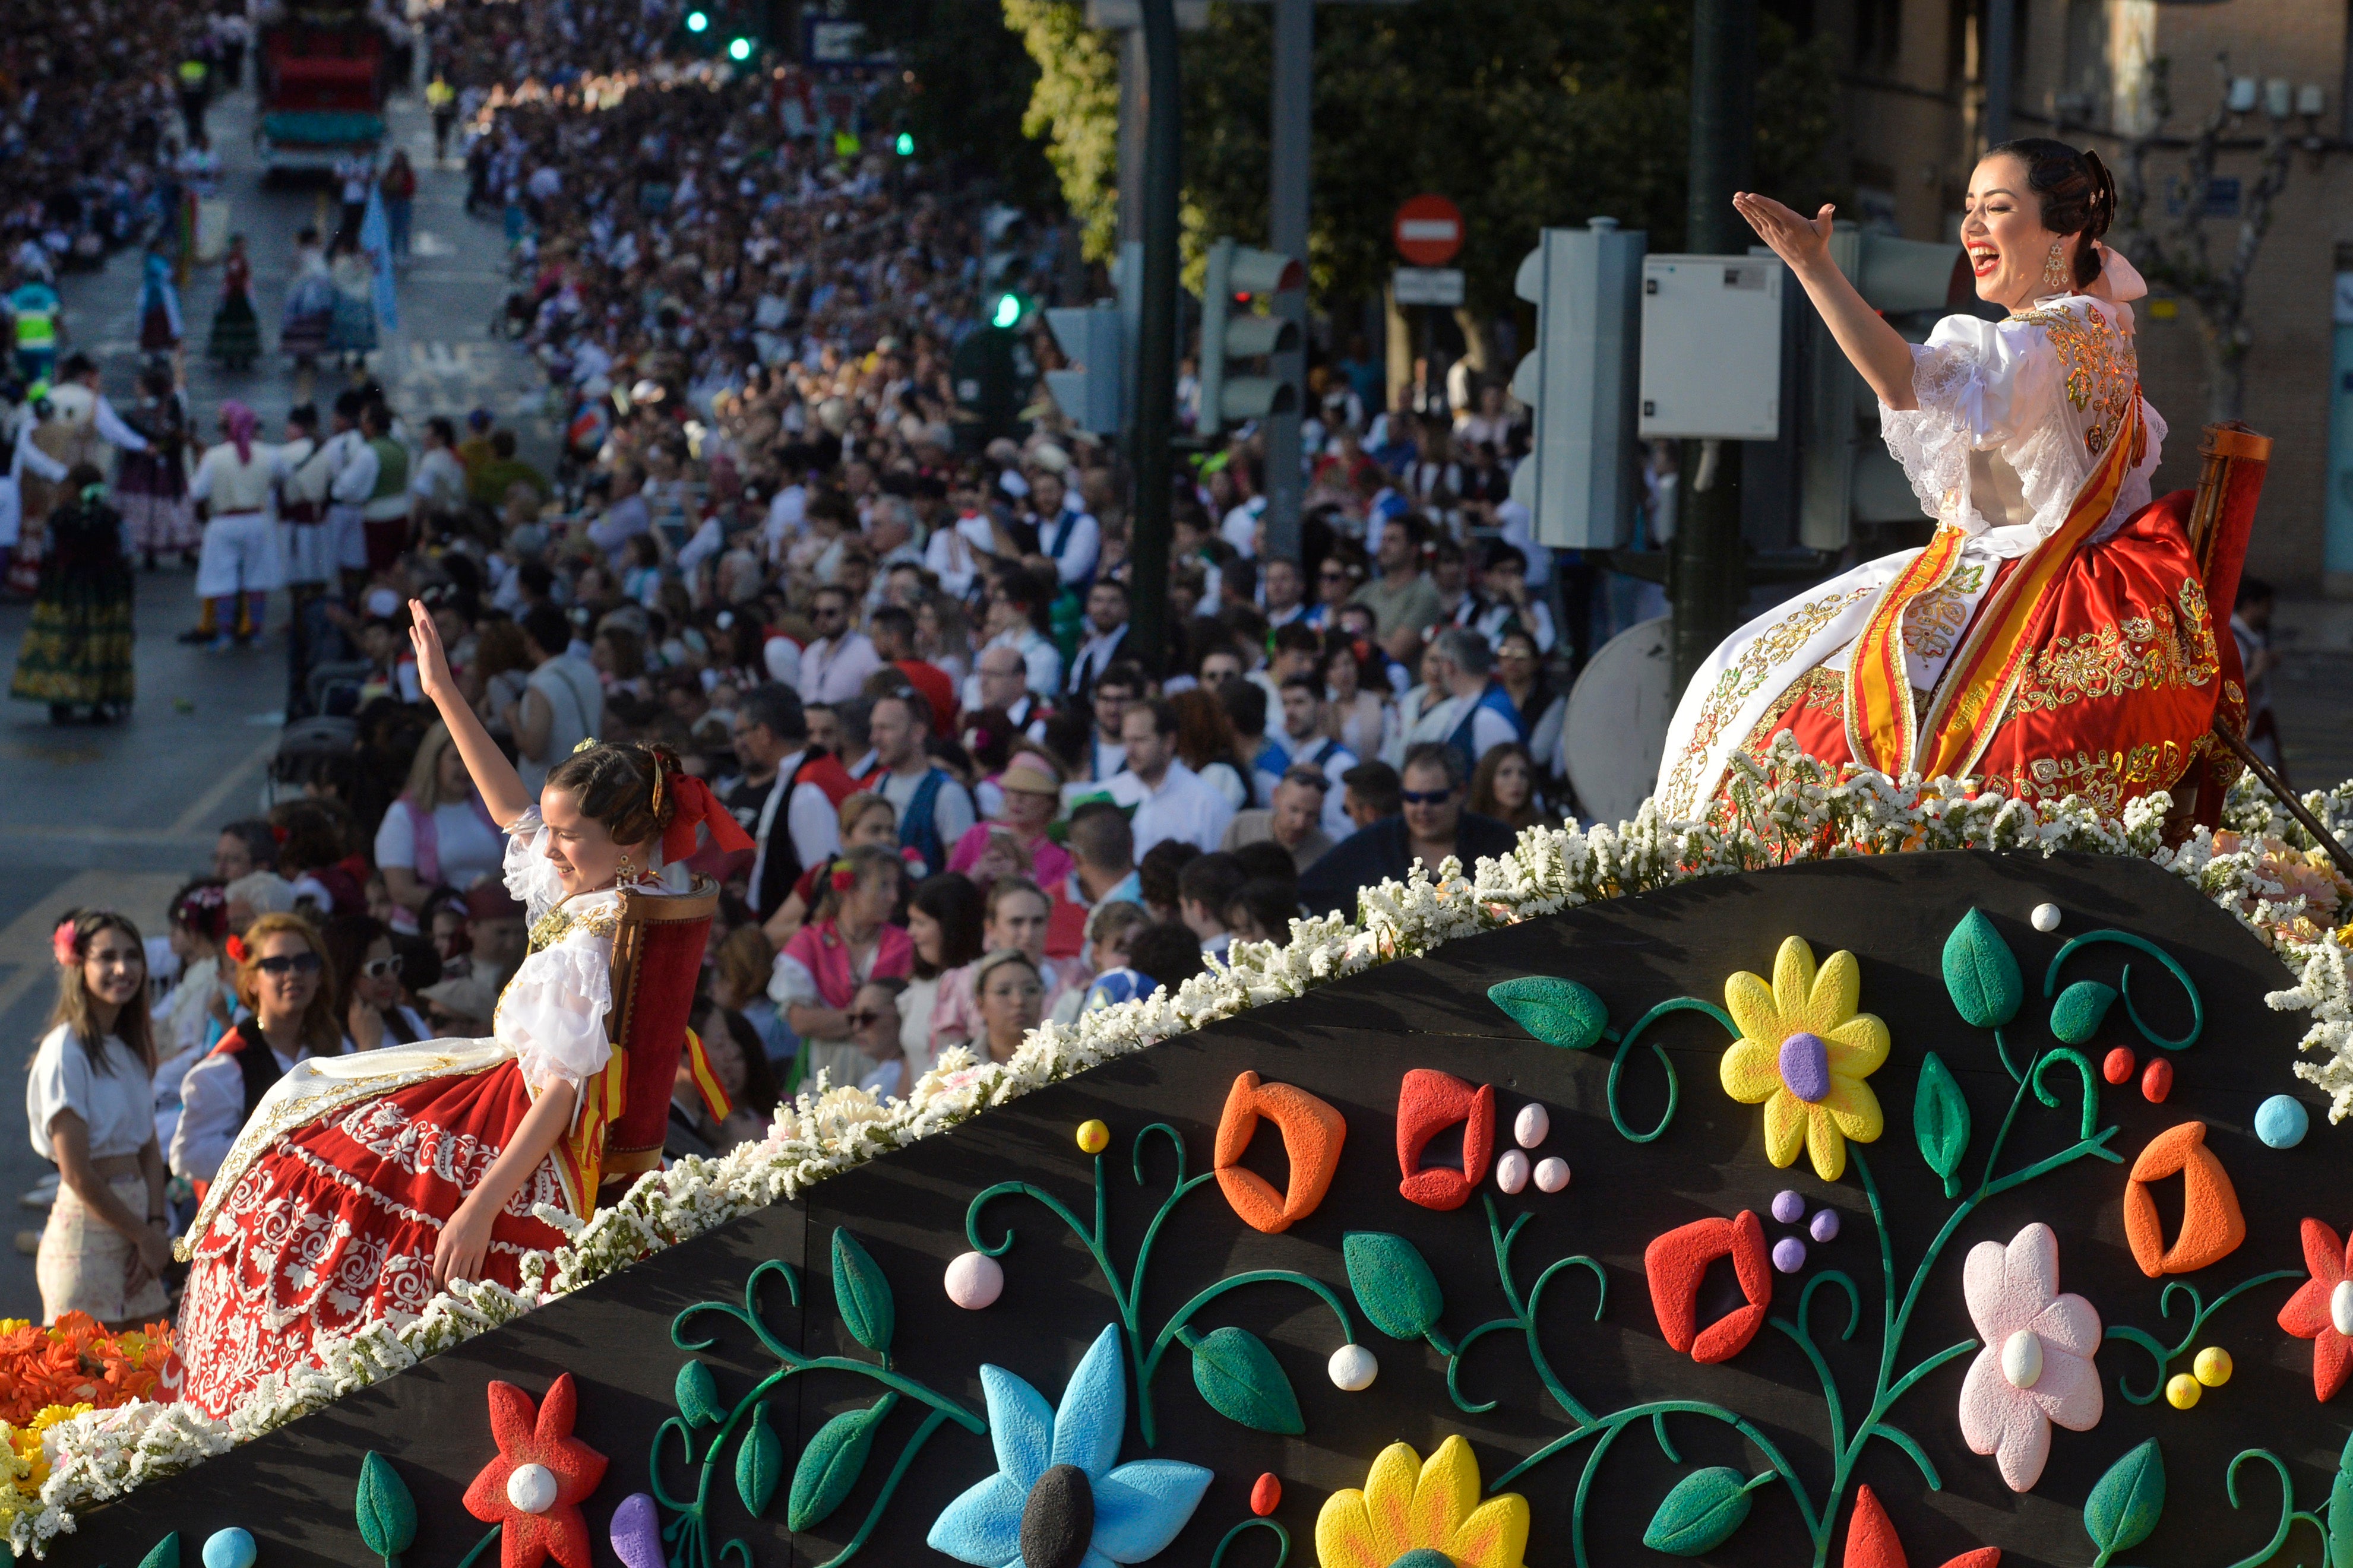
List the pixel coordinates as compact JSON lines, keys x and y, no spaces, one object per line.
{"x":1877,"y":349}
{"x":501,"y":786}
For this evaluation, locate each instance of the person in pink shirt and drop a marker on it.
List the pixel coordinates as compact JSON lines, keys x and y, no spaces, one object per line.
{"x":1032,"y":794}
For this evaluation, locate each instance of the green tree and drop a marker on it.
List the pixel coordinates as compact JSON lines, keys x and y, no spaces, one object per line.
{"x":970,"y":84}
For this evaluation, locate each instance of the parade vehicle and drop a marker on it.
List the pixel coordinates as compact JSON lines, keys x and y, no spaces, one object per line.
{"x":325,"y":71}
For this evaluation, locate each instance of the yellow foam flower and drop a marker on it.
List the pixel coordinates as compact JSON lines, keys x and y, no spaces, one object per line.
{"x":1409,"y":1506}
{"x":1804,"y":1052}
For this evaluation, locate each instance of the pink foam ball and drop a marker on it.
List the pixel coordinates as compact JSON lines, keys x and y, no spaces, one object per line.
{"x":975,"y":1280}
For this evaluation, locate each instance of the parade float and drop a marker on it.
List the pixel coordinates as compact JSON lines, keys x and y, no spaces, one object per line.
{"x":1869,"y":1172}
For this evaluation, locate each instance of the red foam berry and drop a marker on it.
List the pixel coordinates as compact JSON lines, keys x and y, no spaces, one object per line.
{"x":2158,"y":1081}
{"x":1266,"y":1496}
{"x":2118,"y":1068}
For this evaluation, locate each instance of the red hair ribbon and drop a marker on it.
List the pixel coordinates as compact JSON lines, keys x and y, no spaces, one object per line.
{"x":844,"y":877}
{"x":693,"y":803}
{"x":236,"y":949}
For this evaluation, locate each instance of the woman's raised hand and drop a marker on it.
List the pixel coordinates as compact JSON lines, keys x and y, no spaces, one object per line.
{"x":432,"y":660}
{"x":1804,"y":243}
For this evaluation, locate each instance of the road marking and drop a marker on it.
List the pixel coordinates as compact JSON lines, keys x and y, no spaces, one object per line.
{"x":202,"y":808}
{"x":24,"y":944}
{"x":425,"y":242}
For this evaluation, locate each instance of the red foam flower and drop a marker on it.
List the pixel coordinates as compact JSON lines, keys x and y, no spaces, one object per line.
{"x":1677,"y":1261}
{"x":544,"y":1439}
{"x":1870,"y":1540}
{"x":1430,"y":1102}
{"x":2307,"y":1314}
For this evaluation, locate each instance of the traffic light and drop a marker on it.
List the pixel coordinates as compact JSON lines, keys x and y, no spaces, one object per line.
{"x":739,"y":49}
{"x":1008,"y":310}
{"x":905,"y":144}
{"x":698,"y":22}
{"x":1093,"y":392}
{"x":1238,"y":274}
{"x":1844,"y":474}
{"x":1579,"y":480}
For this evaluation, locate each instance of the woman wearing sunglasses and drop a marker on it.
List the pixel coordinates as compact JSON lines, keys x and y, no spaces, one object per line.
{"x":368,"y":986}
{"x":285,"y":988}
{"x":362,"y":1185}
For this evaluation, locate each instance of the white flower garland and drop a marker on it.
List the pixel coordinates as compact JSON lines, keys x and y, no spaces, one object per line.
{"x":2262,"y":868}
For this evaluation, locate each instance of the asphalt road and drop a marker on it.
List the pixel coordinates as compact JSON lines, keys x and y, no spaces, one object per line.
{"x":121,"y":816}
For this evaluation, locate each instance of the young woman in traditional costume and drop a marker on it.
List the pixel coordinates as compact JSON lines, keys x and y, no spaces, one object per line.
{"x":77,"y":648}
{"x":2053,"y":639}
{"x":366,"y":1184}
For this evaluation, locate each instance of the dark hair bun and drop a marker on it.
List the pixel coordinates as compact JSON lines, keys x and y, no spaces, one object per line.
{"x":624,"y":785}
{"x":2077,"y":193}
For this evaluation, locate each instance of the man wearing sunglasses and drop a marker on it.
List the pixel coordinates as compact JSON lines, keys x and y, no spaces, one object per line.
{"x":1430,"y":825}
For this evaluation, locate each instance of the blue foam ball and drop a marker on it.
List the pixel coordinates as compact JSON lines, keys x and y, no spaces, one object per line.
{"x":230,"y":1548}
{"x":2281,"y":1122}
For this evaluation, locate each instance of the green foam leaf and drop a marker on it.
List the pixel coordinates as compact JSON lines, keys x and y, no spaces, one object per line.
{"x":388,"y":1514}
{"x":1557,"y":1012}
{"x":1393,"y":1283}
{"x":1940,"y":1120}
{"x":862,"y":1293}
{"x":1242,"y":1382}
{"x":698,"y":1396}
{"x":1981,"y":973}
{"x":2123,"y":1509}
{"x":2076,"y":1016}
{"x":165,"y":1553}
{"x":830,"y":1465}
{"x":2340,"y":1511}
{"x":1700,"y":1514}
{"x":760,"y":1464}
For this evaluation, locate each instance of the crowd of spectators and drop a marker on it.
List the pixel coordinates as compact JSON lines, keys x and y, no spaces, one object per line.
{"x":777,"y":541}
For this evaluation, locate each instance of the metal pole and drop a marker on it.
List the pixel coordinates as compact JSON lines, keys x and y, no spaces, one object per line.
{"x":2284,"y":795}
{"x":1131,"y":133}
{"x":1156,"y":356}
{"x":1706,"y":577}
{"x":2000,"y":68}
{"x":1294,"y":59}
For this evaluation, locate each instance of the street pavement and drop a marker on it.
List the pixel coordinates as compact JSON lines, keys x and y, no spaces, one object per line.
{"x":122,"y":814}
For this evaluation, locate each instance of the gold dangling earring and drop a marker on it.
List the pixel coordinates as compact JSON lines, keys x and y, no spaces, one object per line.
{"x":2057,"y":275}
{"x":622,"y":873}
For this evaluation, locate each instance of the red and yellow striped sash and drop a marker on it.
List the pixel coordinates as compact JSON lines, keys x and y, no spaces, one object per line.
{"x":1880,"y":723}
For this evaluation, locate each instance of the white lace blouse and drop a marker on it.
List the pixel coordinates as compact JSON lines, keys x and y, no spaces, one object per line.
{"x":2015,"y":414}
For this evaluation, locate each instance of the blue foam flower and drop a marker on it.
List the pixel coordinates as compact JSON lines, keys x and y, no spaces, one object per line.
{"x":1056,"y":1501}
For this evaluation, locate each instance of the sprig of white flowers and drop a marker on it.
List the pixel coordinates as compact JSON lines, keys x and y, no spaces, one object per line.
{"x":1787,"y":808}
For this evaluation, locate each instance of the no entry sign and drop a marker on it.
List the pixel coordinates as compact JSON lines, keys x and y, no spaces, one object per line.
{"x":1429,"y":231}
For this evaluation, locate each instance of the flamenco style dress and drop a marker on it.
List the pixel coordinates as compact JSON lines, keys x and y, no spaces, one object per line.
{"x":2052,"y":639}
{"x":325,"y":1213}
{"x":235,"y":339}
{"x":152,"y":486}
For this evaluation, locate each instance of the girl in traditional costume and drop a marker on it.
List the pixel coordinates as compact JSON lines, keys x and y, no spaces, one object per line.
{"x":76,"y":647}
{"x":152,"y":487}
{"x":160,"y":328}
{"x":366,"y":1184}
{"x":2053,"y":639}
{"x":235,"y":339}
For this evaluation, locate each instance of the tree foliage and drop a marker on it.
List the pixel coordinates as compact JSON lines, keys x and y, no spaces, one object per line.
{"x":972,"y":84}
{"x":1074,"y":111}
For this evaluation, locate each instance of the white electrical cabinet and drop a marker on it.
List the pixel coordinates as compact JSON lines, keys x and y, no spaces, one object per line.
{"x":1712,"y":347}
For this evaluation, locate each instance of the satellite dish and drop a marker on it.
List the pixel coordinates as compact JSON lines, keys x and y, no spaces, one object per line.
{"x":1617,"y":723}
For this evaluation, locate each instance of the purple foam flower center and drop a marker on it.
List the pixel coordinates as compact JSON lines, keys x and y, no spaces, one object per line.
{"x":1805,"y":1068}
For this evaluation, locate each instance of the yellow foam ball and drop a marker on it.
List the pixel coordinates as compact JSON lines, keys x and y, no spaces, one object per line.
{"x":1093,"y":1137}
{"x":2183,"y":1391}
{"x":2212,"y":1366}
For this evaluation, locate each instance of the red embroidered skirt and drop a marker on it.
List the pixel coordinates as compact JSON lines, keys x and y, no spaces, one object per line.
{"x":333,"y":1229}
{"x":2114,"y":702}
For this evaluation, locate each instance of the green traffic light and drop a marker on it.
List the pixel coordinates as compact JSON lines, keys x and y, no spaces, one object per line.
{"x":905,"y":145}
{"x":739,"y":49}
{"x":698,"y":21}
{"x":1009,"y":312}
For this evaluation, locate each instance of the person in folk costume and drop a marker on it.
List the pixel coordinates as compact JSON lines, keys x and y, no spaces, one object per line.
{"x":236,"y":340}
{"x":29,"y":470}
{"x":308,"y":324}
{"x":152,"y":487}
{"x":160,"y":325}
{"x":330,"y":1151}
{"x":2053,"y":637}
{"x":76,"y":647}
{"x":306,"y":549}
{"x":239,"y":564}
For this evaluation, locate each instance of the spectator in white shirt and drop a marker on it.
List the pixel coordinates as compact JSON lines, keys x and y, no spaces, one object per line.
{"x":1017,"y":606}
{"x":835,"y":665}
{"x":1170,"y":800}
{"x":626,"y":514}
{"x":1066,"y":532}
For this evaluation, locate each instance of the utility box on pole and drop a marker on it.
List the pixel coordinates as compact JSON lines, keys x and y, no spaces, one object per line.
{"x":1712,"y":347}
{"x":1579,"y":479}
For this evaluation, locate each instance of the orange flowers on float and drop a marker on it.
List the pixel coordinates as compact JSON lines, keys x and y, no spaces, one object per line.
{"x":543,"y":1474}
{"x":75,"y":1361}
{"x":1311,"y":1135}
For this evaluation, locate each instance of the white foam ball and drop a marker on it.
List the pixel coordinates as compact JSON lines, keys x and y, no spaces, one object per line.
{"x":532,"y":1488}
{"x":1552,"y":1174}
{"x":975,"y":1280}
{"x":1352,"y":1368}
{"x":1512,"y":1170}
{"x":1530,"y":1127}
{"x":2046,"y":917}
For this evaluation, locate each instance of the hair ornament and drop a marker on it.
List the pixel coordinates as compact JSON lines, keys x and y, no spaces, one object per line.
{"x":61,"y":941}
{"x":236,"y":950}
{"x":586,"y":744}
{"x":280,"y":833}
{"x":844,"y":877}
